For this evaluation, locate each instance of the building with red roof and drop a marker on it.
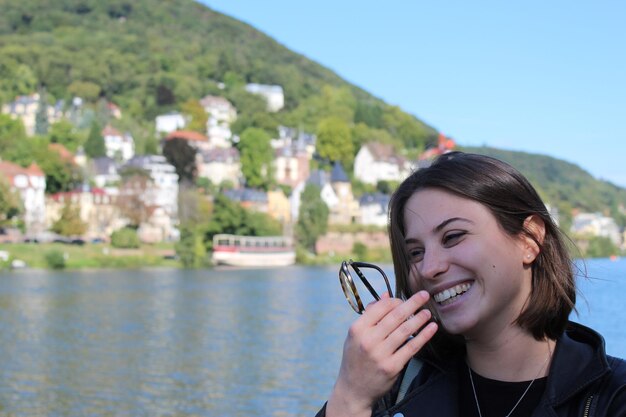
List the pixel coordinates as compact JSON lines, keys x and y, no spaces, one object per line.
{"x":30,"y":184}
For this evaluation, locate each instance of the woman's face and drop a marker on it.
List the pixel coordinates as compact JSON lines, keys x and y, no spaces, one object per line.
{"x":478,"y":276}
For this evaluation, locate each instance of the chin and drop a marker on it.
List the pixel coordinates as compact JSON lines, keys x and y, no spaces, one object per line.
{"x":456,"y":327}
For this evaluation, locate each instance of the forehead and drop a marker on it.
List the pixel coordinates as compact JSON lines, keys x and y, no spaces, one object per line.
{"x":429,"y":207}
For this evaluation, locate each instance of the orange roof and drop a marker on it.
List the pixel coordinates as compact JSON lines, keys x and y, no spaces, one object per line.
{"x":187,"y":135}
{"x":11,"y":170}
{"x":65,"y":154}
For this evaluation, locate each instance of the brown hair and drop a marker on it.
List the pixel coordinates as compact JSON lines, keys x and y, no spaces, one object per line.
{"x":511,"y":199}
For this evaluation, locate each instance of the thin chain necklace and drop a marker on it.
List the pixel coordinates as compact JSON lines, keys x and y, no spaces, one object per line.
{"x":520,"y":398}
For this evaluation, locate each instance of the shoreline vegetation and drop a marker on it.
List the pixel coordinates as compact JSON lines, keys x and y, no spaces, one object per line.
{"x":101,"y":256}
{"x":62,"y":256}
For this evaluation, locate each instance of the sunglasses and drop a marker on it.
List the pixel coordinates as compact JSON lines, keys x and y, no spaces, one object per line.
{"x":350,"y":286}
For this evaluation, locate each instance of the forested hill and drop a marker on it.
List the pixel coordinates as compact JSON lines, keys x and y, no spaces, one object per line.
{"x":153,"y":56}
{"x":564,"y":184}
{"x":150,"y":56}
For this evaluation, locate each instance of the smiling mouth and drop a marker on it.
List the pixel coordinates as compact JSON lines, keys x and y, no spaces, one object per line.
{"x":448,"y":296}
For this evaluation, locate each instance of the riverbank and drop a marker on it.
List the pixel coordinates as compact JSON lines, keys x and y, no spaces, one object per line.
{"x":87,"y":256}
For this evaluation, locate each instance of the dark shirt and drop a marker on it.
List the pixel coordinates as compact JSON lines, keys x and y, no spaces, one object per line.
{"x":497,"y":398}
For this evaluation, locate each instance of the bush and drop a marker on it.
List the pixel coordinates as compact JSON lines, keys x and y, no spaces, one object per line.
{"x":55,"y":259}
{"x":125,"y":238}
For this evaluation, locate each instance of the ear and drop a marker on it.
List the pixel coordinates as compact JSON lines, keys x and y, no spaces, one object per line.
{"x":535,"y":226}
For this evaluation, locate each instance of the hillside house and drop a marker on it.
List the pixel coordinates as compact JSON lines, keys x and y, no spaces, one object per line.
{"x":30,"y":183}
{"x":104,"y":171}
{"x":219,"y":165}
{"x":288,"y":136}
{"x":97,"y":209}
{"x":248,"y":198}
{"x":221,"y":113}
{"x":278,"y":206}
{"x":26,"y":107}
{"x":596,"y":224}
{"x":291,"y":165}
{"x":347,"y":211}
{"x":379,"y":162}
{"x":335,"y":192}
{"x":167,"y":123}
{"x":273,"y":95}
{"x":374,"y":209}
{"x":164,"y":190}
{"x":118,"y":146}
{"x":194,"y":139}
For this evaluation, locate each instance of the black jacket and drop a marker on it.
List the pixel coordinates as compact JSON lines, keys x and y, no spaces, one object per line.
{"x":583,"y":381}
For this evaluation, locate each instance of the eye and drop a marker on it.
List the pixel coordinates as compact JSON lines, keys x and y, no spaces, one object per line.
{"x":452,"y":238}
{"x":416,"y":254}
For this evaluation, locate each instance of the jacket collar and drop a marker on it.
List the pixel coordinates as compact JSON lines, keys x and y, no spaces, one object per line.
{"x":579,"y":361}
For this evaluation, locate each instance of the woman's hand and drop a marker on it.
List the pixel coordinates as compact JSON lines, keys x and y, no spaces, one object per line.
{"x":376,"y":350}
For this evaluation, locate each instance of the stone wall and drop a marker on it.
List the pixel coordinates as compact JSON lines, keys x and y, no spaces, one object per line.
{"x":342,"y":243}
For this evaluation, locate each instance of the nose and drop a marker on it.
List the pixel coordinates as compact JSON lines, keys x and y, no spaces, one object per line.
{"x":434,"y":263}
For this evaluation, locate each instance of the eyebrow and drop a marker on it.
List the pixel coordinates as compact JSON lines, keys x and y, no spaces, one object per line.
{"x":441,"y":225}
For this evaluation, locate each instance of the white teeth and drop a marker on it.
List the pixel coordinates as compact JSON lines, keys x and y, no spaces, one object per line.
{"x":451,"y":292}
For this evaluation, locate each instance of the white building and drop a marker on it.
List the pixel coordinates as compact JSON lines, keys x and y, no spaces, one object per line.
{"x":596,"y":224}
{"x":378,"y":162}
{"x":104,"y":172}
{"x":273,"y":95}
{"x":220,"y":115}
{"x":219,"y":108}
{"x":164,"y":192}
{"x":374,"y":209}
{"x":219,"y":165}
{"x":118,"y":146}
{"x":170,"y":122}
{"x":30,"y":183}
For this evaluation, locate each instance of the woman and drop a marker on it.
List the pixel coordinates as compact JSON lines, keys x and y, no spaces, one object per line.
{"x":474,"y":246}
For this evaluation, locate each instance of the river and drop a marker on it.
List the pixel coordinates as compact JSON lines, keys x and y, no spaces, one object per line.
{"x":218,"y":342}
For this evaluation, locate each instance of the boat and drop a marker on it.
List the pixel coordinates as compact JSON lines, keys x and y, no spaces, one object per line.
{"x":249,"y":251}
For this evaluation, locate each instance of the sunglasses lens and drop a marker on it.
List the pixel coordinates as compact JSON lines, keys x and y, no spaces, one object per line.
{"x":347,"y":285}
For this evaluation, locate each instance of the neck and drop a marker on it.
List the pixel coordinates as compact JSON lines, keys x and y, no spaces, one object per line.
{"x":514,"y":356}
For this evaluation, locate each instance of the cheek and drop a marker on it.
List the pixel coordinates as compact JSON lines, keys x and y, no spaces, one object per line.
{"x":414,"y":281}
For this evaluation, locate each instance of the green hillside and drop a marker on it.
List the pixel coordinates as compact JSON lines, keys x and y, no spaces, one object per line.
{"x":564,"y":184}
{"x":150,"y":56}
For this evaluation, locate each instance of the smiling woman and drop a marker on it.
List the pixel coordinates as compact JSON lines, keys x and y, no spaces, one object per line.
{"x":475,"y":247}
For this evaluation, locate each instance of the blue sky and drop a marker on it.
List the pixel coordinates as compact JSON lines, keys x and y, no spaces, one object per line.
{"x":544,"y":77}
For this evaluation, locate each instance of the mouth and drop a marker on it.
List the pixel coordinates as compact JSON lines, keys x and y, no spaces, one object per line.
{"x":449,"y":295}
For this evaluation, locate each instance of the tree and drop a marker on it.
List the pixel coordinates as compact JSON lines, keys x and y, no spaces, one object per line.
{"x":134,"y":192}
{"x":312,"y":217}
{"x":179,"y":153}
{"x":199,"y":117}
{"x":10,"y":203}
{"x":334,"y":141}
{"x":61,"y":175}
{"x":41,"y":117}
{"x":229,"y":217}
{"x":11,"y":132}
{"x":256,"y":158}
{"x":94,"y":146}
{"x":64,"y":133}
{"x":601,"y":247}
{"x":70,"y":223}
{"x":125,"y":238}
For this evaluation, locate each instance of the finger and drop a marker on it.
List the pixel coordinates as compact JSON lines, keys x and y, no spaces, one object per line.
{"x":371,"y":303}
{"x":401,"y":313}
{"x":415,"y":344}
{"x":377,"y":310}
{"x":407,"y":329}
